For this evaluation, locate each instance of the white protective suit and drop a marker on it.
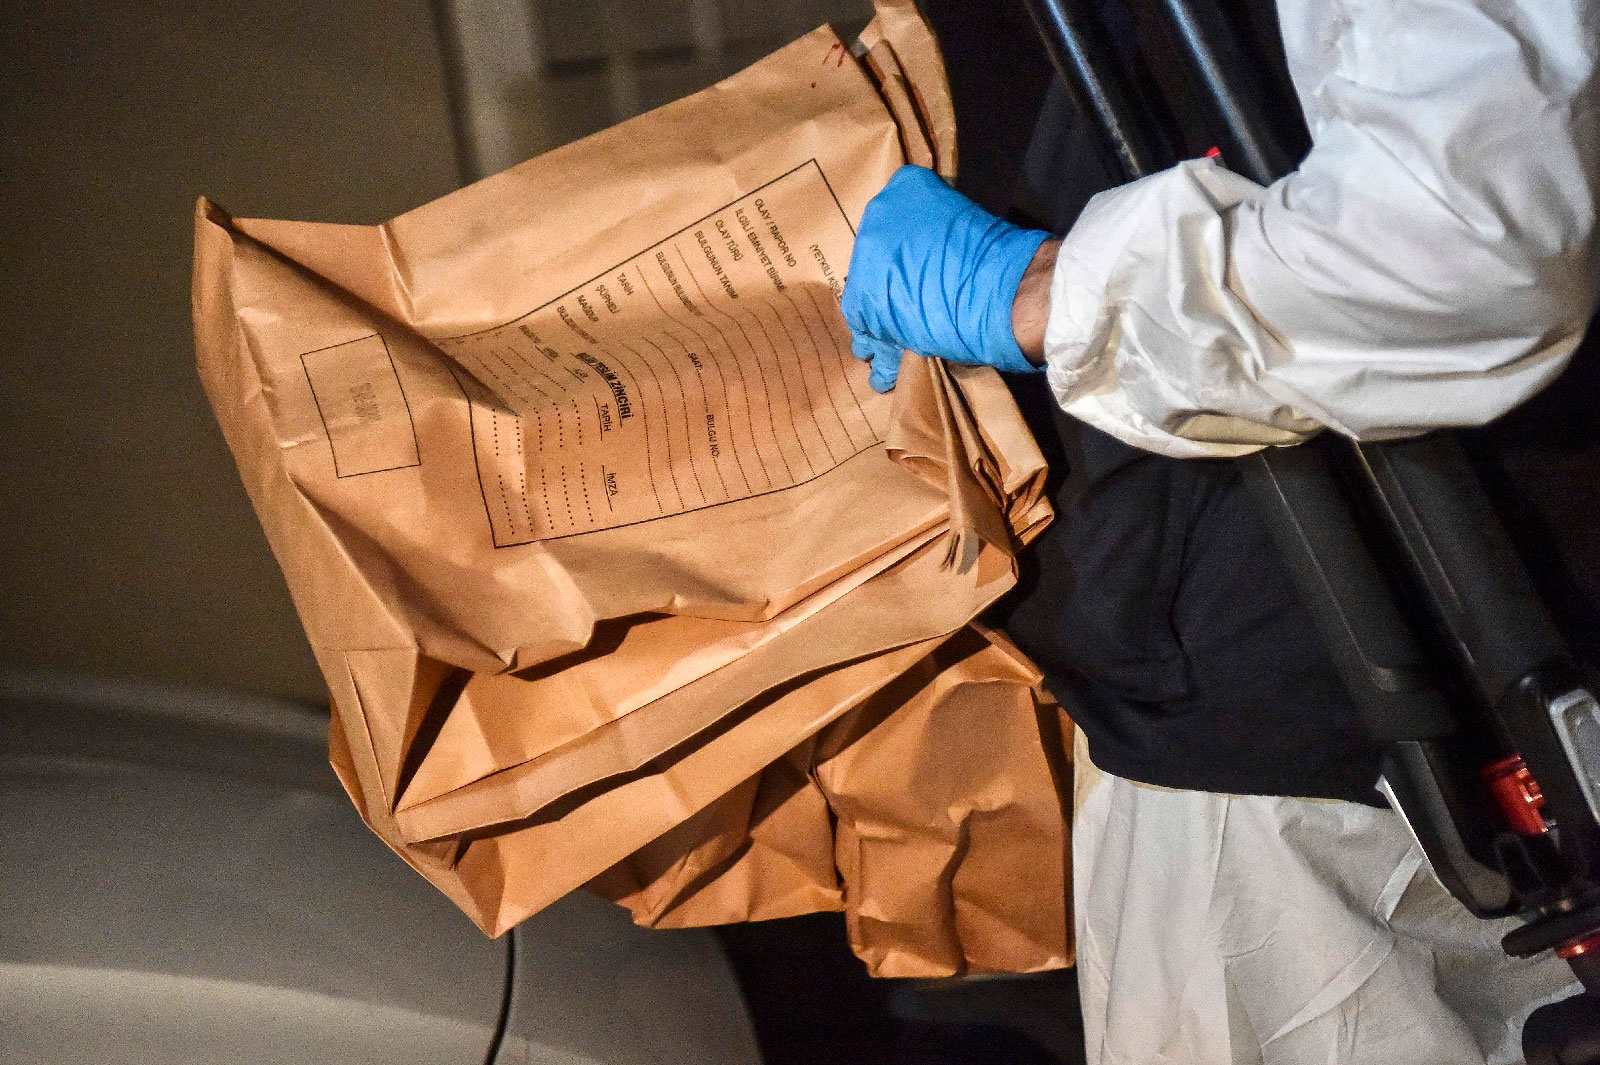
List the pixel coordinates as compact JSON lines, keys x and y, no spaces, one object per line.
{"x":1430,"y":264}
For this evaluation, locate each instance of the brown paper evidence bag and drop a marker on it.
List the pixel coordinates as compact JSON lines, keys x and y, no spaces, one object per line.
{"x":618,"y":572}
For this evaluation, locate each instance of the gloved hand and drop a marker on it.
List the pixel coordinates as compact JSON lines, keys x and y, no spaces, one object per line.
{"x":934,"y":272}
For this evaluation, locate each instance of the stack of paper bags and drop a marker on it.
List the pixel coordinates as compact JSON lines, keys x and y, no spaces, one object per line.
{"x":617,"y":569}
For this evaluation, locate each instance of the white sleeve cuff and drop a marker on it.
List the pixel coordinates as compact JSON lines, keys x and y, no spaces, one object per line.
{"x":1149,"y":248}
{"x":1082,"y":313}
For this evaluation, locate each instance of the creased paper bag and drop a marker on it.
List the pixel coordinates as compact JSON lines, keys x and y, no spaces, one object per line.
{"x":962,"y":871}
{"x":587,"y":509}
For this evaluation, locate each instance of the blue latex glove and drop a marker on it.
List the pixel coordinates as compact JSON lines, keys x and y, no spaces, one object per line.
{"x":934,"y":272}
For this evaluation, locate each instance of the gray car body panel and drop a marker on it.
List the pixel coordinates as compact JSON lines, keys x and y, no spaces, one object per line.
{"x":183,"y":880}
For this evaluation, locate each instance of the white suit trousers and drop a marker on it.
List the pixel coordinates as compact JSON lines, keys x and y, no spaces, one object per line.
{"x":1250,"y":930}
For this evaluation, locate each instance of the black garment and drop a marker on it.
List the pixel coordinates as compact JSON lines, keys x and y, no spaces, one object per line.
{"x":1169,"y":630}
{"x":1163,"y":620}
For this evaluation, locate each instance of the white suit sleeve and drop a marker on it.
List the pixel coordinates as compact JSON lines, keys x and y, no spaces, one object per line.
{"x":1430,"y":263}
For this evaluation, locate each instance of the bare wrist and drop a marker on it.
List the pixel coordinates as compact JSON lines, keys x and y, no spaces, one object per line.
{"x":1030,"y":309}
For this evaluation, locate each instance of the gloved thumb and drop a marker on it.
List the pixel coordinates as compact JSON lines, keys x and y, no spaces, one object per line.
{"x":885,"y":359}
{"x":885,"y":371}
